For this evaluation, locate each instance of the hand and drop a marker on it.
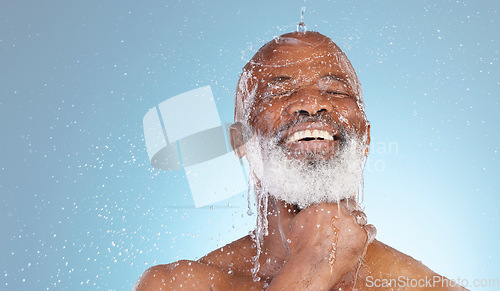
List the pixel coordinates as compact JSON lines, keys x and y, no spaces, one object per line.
{"x":326,"y":242}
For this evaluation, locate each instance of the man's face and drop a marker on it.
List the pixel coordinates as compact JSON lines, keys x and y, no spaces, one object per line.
{"x":307,"y":96}
{"x":302,"y":100}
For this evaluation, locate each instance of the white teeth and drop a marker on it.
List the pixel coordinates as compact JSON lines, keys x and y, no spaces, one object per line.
{"x":309,"y":134}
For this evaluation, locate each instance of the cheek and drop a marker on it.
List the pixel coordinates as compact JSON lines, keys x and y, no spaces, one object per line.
{"x":267,"y":117}
{"x":353,"y":118}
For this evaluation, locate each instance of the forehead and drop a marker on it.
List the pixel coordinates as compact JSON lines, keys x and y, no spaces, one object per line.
{"x":293,"y":56}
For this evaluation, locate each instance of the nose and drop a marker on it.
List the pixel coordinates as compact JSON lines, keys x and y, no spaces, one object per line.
{"x":309,"y":103}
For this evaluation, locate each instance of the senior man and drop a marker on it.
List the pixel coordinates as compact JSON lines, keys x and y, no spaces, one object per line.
{"x":300,"y":122}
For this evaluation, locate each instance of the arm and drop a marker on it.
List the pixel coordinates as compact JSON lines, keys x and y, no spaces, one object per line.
{"x":309,"y":265}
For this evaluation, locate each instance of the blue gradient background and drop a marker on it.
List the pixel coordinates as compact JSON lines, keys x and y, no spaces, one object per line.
{"x":82,"y":209}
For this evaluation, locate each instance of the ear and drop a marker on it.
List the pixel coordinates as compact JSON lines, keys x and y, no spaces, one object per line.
{"x":237,"y":139}
{"x":367,"y":141}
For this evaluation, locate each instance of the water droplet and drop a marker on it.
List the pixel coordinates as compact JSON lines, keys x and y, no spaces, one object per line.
{"x":301,"y":27}
{"x":360,"y":217}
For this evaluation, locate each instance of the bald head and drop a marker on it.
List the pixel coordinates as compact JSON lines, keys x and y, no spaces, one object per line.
{"x":292,"y":52}
{"x":296,"y":46}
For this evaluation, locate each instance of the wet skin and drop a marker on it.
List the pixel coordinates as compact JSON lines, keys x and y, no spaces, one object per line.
{"x":303,"y":82}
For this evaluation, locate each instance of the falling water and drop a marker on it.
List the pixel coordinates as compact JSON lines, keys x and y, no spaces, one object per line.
{"x":301,"y":27}
{"x":261,"y":230}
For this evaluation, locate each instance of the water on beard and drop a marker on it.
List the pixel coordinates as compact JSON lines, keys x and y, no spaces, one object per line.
{"x":311,"y":180}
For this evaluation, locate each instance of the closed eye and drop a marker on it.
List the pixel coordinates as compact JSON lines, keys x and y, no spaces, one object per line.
{"x":337,"y":94}
{"x":282,"y":94}
{"x":279,"y":87}
{"x":333,"y":85}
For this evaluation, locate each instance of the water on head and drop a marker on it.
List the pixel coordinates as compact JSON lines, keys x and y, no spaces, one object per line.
{"x":296,"y":181}
{"x":291,"y":50}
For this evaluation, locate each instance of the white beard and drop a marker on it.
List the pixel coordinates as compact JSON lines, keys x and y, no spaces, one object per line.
{"x":302,"y":182}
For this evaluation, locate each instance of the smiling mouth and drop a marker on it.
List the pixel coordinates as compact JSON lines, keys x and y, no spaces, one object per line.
{"x":312,"y":138}
{"x":309,"y":135}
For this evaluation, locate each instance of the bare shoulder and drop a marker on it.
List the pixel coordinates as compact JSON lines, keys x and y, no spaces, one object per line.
{"x":160,"y":276}
{"x":235,"y":257}
{"x":388,"y":259}
{"x":386,"y":264}
{"x":192,"y":275}
{"x":219,"y":270}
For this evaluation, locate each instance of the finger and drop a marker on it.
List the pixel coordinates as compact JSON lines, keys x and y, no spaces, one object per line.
{"x":359,"y":217}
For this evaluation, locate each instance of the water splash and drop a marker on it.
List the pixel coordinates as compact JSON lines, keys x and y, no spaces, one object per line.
{"x":284,"y":240}
{"x":301,"y":27}
{"x":261,"y":229}
{"x":249,"y":197}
